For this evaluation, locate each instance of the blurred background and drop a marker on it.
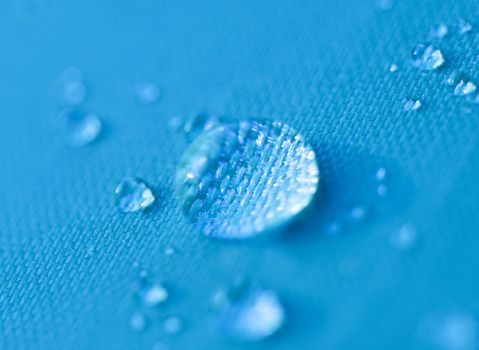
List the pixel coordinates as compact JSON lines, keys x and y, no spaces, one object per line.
{"x":94,"y":91}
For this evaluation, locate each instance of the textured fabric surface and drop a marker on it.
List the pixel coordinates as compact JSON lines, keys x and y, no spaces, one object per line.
{"x":67,"y":255}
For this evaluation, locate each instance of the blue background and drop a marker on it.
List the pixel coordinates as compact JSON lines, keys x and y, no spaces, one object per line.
{"x":67,"y":256}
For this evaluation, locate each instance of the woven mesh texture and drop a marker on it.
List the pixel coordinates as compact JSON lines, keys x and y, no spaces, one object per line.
{"x":67,"y":255}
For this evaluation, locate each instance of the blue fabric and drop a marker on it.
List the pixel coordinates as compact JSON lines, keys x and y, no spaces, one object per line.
{"x":67,"y":256}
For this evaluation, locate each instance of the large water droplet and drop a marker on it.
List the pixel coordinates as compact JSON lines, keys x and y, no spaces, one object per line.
{"x":412,"y":104}
{"x":248,"y":313}
{"x":81,"y":128}
{"x":245,"y":178}
{"x":133,"y":194}
{"x":426,"y":56}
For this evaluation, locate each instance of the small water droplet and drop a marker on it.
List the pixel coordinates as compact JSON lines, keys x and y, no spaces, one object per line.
{"x":175,"y":123}
{"x":385,"y":5}
{"x":380,"y":174}
{"x":426,"y":56}
{"x":169,"y":251}
{"x":412,"y":104}
{"x":81,"y":128}
{"x":455,"y":331}
{"x":439,"y":32}
{"x":382,"y":190}
{"x":248,"y":313}
{"x":463,"y":26}
{"x":464,"y":88}
{"x":70,"y":88}
{"x":359,"y":212}
{"x":147,"y":92}
{"x":334,"y":228}
{"x":393,"y":67}
{"x":143,"y":274}
{"x":138,"y":321}
{"x":133,"y":194}
{"x":246,"y":178}
{"x":160,"y":346}
{"x":153,"y":294}
{"x":173,"y":325}
{"x":405,"y":237}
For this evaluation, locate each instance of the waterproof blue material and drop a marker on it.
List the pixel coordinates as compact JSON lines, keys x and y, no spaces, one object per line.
{"x":67,"y":256}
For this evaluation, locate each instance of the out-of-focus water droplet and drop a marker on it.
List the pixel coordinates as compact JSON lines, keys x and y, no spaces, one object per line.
{"x":138,"y":321}
{"x":359,"y":212}
{"x":143,"y":274}
{"x":385,"y":5}
{"x":160,"y":346}
{"x":175,"y":123}
{"x":393,"y":67}
{"x":133,"y":194}
{"x":463,"y":26}
{"x":173,"y":325}
{"x":334,"y":228}
{"x":404,"y":238}
{"x":382,"y":190}
{"x":248,"y":312}
{"x":81,"y":128}
{"x":439,"y":32}
{"x":169,"y":251}
{"x":153,"y":294}
{"x":412,"y":104}
{"x":455,"y":331}
{"x":246,"y":178}
{"x":147,"y":93}
{"x":380,"y":174}
{"x":426,"y":56}
{"x":69,"y":88}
